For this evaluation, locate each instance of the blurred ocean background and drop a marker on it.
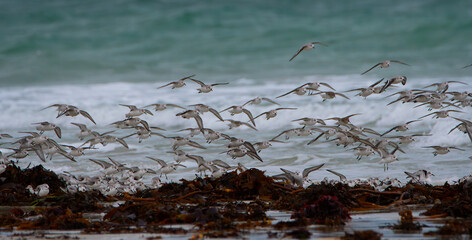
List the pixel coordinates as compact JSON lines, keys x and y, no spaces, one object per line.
{"x":98,"y":54}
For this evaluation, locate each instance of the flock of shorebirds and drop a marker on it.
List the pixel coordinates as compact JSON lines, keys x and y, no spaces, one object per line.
{"x":118,"y":177}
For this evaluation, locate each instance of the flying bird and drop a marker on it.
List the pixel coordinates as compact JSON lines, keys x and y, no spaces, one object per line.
{"x":384,"y":64}
{"x":307,"y":47}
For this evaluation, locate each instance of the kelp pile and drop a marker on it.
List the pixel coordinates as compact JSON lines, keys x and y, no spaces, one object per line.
{"x":221,"y":207}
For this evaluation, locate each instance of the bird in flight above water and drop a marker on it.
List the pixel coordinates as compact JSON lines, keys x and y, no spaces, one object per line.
{"x":384,"y":64}
{"x":306,"y":47}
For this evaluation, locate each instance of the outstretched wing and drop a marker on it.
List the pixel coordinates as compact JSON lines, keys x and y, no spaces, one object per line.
{"x":327,"y":85}
{"x":160,"y":161}
{"x":198,"y":81}
{"x":166,"y":85}
{"x":285,"y":94}
{"x":212,"y":110}
{"x":249,"y":114}
{"x":299,"y":51}
{"x":269,"y":100}
{"x":87,"y":115}
{"x":341,"y":177}
{"x":376,"y":65}
{"x":307,"y":171}
{"x":395,"y":61}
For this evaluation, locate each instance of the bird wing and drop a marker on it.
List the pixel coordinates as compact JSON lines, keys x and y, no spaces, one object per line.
{"x":166,"y":85}
{"x":327,"y":85}
{"x":435,"y":147}
{"x":341,"y":177}
{"x":386,"y":85}
{"x":212,"y":110}
{"x":299,"y":51}
{"x":342,"y":95}
{"x":249,"y":114}
{"x":220,"y":163}
{"x":131,"y":107}
{"x":122,"y":142}
{"x":412,"y":121}
{"x":54,"y":105}
{"x":116,"y":163}
{"x":322,"y":44}
{"x":249,"y":146}
{"x":376,"y":83}
{"x":174,"y":105}
{"x":314,"y":140}
{"x":87,"y":115}
{"x":127,"y":136}
{"x":376,"y":65}
{"x":468,"y":66}
{"x":307,"y":171}
{"x":277,"y":109}
{"x":261,"y":114}
{"x":145,"y":125}
{"x":216,"y":84}
{"x":193,"y":75}
{"x":250,"y":101}
{"x":254,"y":155}
{"x":269,"y":100}
{"x":226,"y":109}
{"x":103,"y":164}
{"x":198,"y":81}
{"x":160,"y":161}
{"x":199,"y":121}
{"x":285,"y":94}
{"x":58,"y":132}
{"x":427,"y":115}
{"x":395,"y":61}
{"x":195,"y":144}
{"x":249,"y":125}
{"x":391,"y":129}
{"x":148,"y":112}
{"x":81,"y":126}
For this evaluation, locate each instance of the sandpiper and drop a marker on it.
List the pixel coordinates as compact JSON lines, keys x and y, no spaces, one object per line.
{"x":135,"y":111}
{"x":74,"y":111}
{"x":236,"y":109}
{"x":402,"y":127}
{"x":273,"y":113}
{"x":300,"y":91}
{"x":307,"y":47}
{"x":439,"y":150}
{"x":179,"y":83}
{"x":47,"y":126}
{"x":306,"y":121}
{"x":166,"y":168}
{"x":443,"y":86}
{"x":420,"y":176}
{"x":300,"y":178}
{"x":384,"y":64}
{"x":202,"y":108}
{"x":234,"y":124}
{"x":441,"y":114}
{"x":327,"y":95}
{"x":163,"y":106}
{"x":365,"y":92}
{"x":394,"y":80}
{"x":206,"y":88}
{"x":387,"y":158}
{"x":258,"y":100}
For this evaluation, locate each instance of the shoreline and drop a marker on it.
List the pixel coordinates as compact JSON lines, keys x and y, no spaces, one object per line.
{"x":228,"y":206}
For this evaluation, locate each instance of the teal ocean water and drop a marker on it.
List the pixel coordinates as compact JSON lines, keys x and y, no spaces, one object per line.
{"x":73,"y":42}
{"x":99,"y":54}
